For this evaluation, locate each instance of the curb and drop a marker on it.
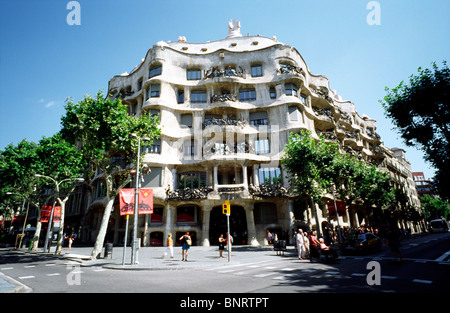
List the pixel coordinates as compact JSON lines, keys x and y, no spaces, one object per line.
{"x":19,"y":287}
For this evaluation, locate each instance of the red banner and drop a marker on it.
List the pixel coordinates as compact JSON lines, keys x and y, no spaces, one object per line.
{"x":340,"y":206}
{"x":47,"y":210}
{"x":126,"y":200}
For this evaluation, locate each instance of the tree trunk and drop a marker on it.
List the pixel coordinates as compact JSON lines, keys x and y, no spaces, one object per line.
{"x":61,"y":226}
{"x":98,"y":246}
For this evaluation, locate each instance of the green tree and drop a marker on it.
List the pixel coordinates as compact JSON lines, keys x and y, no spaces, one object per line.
{"x":434,"y":208}
{"x":61,"y":161}
{"x":420,"y":110}
{"x":18,"y":164}
{"x":305,"y":160}
{"x":101,"y":130}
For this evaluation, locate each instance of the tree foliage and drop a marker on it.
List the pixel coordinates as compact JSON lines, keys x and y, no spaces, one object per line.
{"x":313,"y":165}
{"x":101,"y":128}
{"x":420,"y":110}
{"x":434,"y":208}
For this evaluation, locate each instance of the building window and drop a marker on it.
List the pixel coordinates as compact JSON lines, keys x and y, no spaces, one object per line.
{"x":189,"y":147}
{"x":291,"y":89}
{"x":294,"y":113}
{"x":153,"y":179}
{"x":272,"y":93}
{"x":180,"y":96}
{"x":303,"y":99}
{"x":100,"y":191}
{"x":155,"y":71}
{"x":194,"y":74}
{"x":154,"y":148}
{"x":198,"y":96}
{"x":257,"y":70}
{"x":187,"y":214}
{"x":269,"y":175}
{"x":262,"y":146}
{"x":156,"y":239}
{"x":139,"y":84}
{"x":154,"y":91}
{"x":192,"y":180}
{"x":186,"y":120}
{"x":247,"y":94}
{"x":157,"y":216}
{"x":265,"y":213}
{"x":259,"y":118}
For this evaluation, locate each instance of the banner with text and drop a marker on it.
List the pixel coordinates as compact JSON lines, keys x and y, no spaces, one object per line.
{"x":47,"y":210}
{"x":126,"y":200}
{"x":340,"y":206}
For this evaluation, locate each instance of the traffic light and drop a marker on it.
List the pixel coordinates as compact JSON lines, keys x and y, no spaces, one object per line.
{"x":226,"y":207}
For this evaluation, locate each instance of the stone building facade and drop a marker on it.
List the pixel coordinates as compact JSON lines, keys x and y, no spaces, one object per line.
{"x":226,"y":110}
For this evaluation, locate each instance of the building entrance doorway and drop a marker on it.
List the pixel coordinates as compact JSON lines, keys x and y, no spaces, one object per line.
{"x":218,"y":225}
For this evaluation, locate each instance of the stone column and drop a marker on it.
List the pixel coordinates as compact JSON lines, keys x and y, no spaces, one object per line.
{"x":251,"y":228}
{"x":170,"y":220}
{"x":215,"y":177}
{"x":206,"y":211}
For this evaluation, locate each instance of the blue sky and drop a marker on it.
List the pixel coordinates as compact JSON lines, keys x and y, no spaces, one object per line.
{"x":43,"y":60}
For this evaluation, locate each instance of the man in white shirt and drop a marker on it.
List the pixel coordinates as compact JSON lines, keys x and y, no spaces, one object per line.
{"x":300,"y":244}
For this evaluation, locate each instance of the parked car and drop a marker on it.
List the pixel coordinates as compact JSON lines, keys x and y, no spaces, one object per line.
{"x":365,"y":243}
{"x":439,"y":226}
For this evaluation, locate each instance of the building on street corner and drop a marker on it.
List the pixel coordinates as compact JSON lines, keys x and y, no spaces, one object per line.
{"x":226,"y":110}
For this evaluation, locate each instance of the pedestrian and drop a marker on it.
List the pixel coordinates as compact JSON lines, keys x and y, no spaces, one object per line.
{"x":268,"y":237}
{"x":186,"y":242}
{"x":313,"y":247}
{"x":229,"y":240}
{"x":394,"y":243}
{"x":300,"y":244}
{"x":306,"y":241}
{"x":169,"y":244}
{"x":71,"y":239}
{"x":222,"y":242}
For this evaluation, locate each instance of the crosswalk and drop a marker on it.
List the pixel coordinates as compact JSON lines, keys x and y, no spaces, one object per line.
{"x":281,"y":270}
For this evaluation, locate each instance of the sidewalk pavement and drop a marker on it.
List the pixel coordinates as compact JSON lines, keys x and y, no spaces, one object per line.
{"x":150,"y":258}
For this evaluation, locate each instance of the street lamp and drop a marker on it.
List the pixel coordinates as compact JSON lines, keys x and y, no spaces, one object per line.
{"x":50,"y":221}
{"x":136,"y":200}
{"x":26,"y":215}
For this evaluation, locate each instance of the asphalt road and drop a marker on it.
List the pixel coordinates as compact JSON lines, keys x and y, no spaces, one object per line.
{"x":425,"y":269}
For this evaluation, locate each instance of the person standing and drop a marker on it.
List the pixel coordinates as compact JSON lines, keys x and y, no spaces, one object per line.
{"x":169,"y":244}
{"x":222,"y":242}
{"x":186,"y":242}
{"x":300,"y":244}
{"x":313,"y":246}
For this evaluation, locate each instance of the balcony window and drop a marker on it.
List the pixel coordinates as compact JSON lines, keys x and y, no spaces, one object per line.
{"x":154,"y":91}
{"x":155,"y":71}
{"x":154,"y":148}
{"x":247,"y":94}
{"x":192,"y":180}
{"x":291,"y":89}
{"x":194,"y":74}
{"x":198,"y":96}
{"x":257,"y":70}
{"x":269,"y":175}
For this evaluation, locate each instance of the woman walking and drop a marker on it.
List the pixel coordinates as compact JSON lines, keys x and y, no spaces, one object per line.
{"x":186,"y":242}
